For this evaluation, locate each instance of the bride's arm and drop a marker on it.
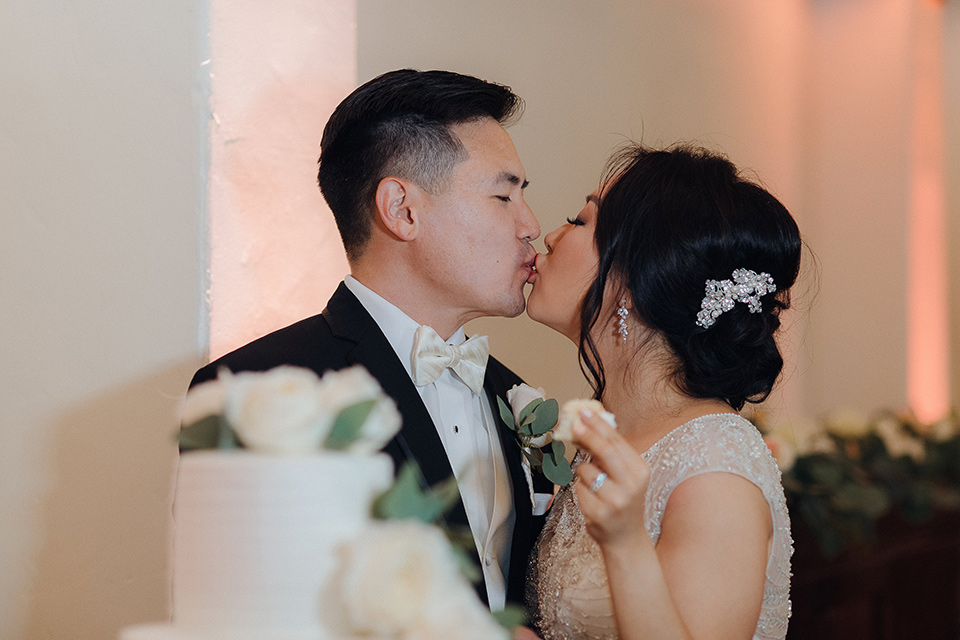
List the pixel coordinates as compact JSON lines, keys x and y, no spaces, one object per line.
{"x":705,"y":577}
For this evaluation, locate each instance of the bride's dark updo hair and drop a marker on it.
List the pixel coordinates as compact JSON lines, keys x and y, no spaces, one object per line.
{"x":668,"y":221}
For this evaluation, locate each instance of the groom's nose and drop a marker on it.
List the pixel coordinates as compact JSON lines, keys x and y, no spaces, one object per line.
{"x":527,"y":226}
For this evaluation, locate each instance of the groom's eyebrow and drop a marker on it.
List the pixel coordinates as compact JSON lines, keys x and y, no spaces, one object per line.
{"x":512,"y":178}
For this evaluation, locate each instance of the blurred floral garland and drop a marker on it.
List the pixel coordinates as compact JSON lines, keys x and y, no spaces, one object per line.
{"x":844,"y":474}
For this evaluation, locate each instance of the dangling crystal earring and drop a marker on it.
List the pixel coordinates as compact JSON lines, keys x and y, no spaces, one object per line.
{"x":622,"y":322}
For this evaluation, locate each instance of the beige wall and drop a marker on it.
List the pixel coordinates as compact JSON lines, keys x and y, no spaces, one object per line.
{"x":101,"y":185}
{"x":813,"y":98}
{"x":723,"y":74}
{"x":103,"y":247}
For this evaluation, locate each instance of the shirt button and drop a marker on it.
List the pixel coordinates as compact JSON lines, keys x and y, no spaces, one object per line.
{"x":487,"y":561}
{"x":456,"y":429}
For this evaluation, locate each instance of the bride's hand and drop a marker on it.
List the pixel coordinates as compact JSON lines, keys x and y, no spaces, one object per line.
{"x":613,"y":503}
{"x":524,"y":633}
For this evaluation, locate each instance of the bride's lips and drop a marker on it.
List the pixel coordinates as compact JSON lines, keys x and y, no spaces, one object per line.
{"x":532,"y":266}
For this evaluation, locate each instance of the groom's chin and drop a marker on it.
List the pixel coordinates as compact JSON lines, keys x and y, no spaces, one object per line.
{"x":514,"y":307}
{"x":516,"y":310}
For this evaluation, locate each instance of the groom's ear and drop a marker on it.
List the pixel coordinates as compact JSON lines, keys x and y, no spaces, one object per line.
{"x":398,"y":207}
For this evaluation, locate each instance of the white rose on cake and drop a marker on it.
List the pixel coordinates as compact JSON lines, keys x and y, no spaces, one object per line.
{"x":206,"y":399}
{"x":278,"y":411}
{"x":400,"y":579}
{"x":460,"y":617}
{"x":290,"y":410}
{"x":346,"y":387}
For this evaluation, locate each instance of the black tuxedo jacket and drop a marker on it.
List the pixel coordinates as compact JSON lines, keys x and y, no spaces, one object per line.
{"x":344,"y":334}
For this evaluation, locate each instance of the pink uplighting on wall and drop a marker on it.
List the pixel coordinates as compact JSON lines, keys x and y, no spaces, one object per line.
{"x":928,"y":346}
{"x":277,"y":72}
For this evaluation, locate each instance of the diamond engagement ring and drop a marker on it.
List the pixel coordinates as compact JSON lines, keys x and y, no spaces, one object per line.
{"x":598,"y":482}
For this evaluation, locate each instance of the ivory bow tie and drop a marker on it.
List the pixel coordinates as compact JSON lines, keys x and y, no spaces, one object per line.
{"x":431,"y":355}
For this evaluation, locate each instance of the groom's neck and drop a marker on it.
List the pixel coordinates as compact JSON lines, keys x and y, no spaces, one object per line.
{"x":413,"y":299}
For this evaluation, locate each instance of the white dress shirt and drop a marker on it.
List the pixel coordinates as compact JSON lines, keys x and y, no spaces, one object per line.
{"x":466,"y":426}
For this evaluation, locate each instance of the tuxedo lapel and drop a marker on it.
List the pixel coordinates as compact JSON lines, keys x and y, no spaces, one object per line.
{"x":418,"y":439}
{"x":526,"y":527}
{"x":511,"y":447}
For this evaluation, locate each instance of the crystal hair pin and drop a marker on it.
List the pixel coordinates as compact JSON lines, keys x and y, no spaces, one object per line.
{"x":747,"y":287}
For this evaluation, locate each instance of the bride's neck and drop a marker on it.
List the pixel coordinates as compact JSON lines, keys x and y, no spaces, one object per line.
{"x":646,"y":402}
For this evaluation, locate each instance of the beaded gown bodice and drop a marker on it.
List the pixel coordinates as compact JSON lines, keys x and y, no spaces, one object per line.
{"x":568,"y":592}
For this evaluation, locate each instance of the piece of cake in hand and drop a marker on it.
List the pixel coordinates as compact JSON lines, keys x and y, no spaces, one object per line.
{"x":570,"y":415}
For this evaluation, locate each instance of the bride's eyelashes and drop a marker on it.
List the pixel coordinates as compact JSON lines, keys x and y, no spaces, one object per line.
{"x":576,"y":221}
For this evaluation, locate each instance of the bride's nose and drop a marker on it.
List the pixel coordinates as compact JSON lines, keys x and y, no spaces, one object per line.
{"x":550,"y":241}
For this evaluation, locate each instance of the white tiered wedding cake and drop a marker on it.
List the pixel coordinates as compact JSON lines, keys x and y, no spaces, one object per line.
{"x":276,"y":541}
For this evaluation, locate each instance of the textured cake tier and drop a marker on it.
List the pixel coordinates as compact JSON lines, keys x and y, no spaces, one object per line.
{"x":173,"y":632}
{"x":255,"y":537}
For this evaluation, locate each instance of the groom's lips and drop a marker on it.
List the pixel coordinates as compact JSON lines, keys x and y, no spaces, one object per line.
{"x":532,"y":268}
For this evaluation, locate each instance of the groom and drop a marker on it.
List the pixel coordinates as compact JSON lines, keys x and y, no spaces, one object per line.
{"x":427,"y":191}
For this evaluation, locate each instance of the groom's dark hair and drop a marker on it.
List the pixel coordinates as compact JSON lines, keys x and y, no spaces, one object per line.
{"x":399,"y":124}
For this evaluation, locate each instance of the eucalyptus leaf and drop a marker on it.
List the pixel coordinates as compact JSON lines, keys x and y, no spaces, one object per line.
{"x":203,"y":434}
{"x":465,"y":551}
{"x":511,"y":616}
{"x":816,"y":513}
{"x":506,"y":414}
{"x":403,"y":497}
{"x":468,"y":568}
{"x":871,"y":502}
{"x":555,"y":467}
{"x":558,"y":450}
{"x":534,"y":456}
{"x":228,"y":437}
{"x":525,"y":413}
{"x":830,"y":542}
{"x":347,"y":425}
{"x":826,"y":472}
{"x":211,"y":432}
{"x":547,"y":416}
{"x":407,"y":499}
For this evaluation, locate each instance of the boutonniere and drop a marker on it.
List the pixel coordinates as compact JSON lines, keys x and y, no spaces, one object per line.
{"x":532,"y":417}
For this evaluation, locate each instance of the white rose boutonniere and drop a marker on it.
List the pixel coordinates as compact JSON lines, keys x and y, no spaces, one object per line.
{"x":532,"y":417}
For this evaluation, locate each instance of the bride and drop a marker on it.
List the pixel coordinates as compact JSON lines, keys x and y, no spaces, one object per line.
{"x":671,"y":281}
